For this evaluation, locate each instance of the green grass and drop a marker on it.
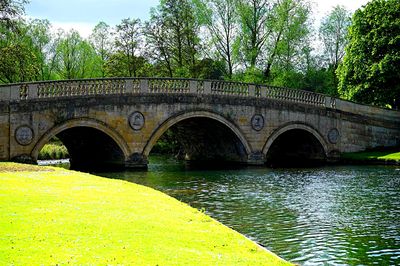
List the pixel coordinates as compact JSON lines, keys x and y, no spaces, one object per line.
{"x":384,"y":156}
{"x":52,"y":216}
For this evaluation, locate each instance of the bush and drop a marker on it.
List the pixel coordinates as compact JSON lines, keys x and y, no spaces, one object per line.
{"x":53,"y":151}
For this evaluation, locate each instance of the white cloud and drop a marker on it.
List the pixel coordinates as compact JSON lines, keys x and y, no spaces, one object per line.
{"x":84,"y":28}
{"x":323,"y":7}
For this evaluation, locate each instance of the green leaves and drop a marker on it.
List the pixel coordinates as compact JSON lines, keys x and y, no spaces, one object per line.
{"x":369,"y":73}
{"x":75,"y":57}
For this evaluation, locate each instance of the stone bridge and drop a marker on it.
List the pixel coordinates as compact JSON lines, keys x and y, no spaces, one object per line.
{"x":118,"y":121}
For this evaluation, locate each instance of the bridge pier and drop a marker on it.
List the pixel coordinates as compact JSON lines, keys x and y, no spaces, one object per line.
{"x":137,"y":161}
{"x":256,"y":158}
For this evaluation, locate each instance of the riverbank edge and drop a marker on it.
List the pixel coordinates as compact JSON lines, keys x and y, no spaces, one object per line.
{"x":371,"y":158}
{"x":246,"y":253}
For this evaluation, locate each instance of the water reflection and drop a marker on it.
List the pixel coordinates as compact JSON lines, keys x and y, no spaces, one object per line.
{"x":322,"y":216}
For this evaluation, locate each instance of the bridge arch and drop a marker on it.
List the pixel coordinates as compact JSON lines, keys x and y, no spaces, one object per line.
{"x":92,"y":124}
{"x":294,"y":133}
{"x":174,"y":120}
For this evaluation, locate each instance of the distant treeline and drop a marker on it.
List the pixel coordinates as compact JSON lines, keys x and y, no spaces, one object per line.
{"x":272,"y":42}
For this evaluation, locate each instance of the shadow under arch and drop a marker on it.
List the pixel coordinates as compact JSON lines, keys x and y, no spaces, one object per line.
{"x":193,"y":115}
{"x":295,"y":144}
{"x":95,"y":131}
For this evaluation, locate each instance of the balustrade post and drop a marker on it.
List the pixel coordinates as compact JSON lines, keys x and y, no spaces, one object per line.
{"x":32,"y":91}
{"x":263,"y":91}
{"x":330,"y":102}
{"x":129,"y":86}
{"x":15,"y":93}
{"x":252,"y":90}
{"x":5,"y":94}
{"x":144,"y":85}
{"x":207,"y":87}
{"x":327,"y":102}
{"x":193,"y":86}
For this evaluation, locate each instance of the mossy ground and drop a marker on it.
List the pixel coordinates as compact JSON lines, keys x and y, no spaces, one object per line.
{"x":52,"y":216}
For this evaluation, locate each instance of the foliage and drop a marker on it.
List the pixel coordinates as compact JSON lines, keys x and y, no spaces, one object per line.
{"x":75,"y":57}
{"x":254,"y":15}
{"x":128,"y":41}
{"x":333,"y":32}
{"x":292,"y":18}
{"x":221,"y":20}
{"x":18,"y":60}
{"x":208,"y":68}
{"x":259,"y":41}
{"x":10,"y":10}
{"x":119,"y":64}
{"x":369,"y":72}
{"x":101,"y":41}
{"x":172,"y":36}
{"x":53,"y":151}
{"x":167,"y":144}
{"x":52,"y":215}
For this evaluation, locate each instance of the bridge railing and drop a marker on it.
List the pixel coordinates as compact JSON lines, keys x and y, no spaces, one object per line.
{"x":118,"y":86}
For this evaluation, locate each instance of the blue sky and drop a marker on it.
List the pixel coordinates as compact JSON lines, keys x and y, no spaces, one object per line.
{"x":82,"y":15}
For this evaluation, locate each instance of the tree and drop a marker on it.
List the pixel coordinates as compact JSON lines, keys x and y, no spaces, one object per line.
{"x":221,"y":20}
{"x":370,"y":69}
{"x":101,"y":41}
{"x":41,"y":41}
{"x":333,"y":34}
{"x":254,"y":16}
{"x":172,"y":33}
{"x":11,"y":10}
{"x":160,"y":50}
{"x":18,"y":60}
{"x":76,"y":57}
{"x":117,"y":65}
{"x":128,"y":42}
{"x":292,"y":19}
{"x":288,"y":49}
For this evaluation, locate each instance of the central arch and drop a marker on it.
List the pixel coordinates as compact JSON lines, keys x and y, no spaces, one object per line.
{"x":203,"y":116}
{"x":91,"y":144}
{"x":295,"y":144}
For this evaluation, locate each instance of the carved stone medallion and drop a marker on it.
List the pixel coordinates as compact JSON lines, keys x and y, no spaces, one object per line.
{"x":257,"y":122}
{"x":24,"y":135}
{"x":333,"y":136}
{"x":136,"y":120}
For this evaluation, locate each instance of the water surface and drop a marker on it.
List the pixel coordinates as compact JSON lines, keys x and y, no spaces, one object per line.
{"x":343,"y":215}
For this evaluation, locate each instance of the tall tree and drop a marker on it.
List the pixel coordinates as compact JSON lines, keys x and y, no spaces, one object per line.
{"x":101,"y":41}
{"x":160,"y":51}
{"x":293,"y":21}
{"x":76,"y":57}
{"x":41,"y":40}
{"x":254,"y":16}
{"x":370,"y":69}
{"x":11,"y":10}
{"x":128,"y":41}
{"x":18,"y":57}
{"x":286,"y":56}
{"x":175,"y":20}
{"x":221,"y":20}
{"x":333,"y":34}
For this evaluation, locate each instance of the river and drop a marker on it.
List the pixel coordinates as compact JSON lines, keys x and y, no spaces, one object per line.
{"x":333,"y":215}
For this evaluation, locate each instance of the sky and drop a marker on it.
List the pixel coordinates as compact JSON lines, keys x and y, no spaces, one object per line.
{"x":83,"y":15}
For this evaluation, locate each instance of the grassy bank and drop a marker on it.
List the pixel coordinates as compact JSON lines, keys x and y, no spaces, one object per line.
{"x":384,"y":157}
{"x":53,"y":216}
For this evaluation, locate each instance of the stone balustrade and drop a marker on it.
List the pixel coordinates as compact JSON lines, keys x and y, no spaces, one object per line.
{"x":117,"y":86}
